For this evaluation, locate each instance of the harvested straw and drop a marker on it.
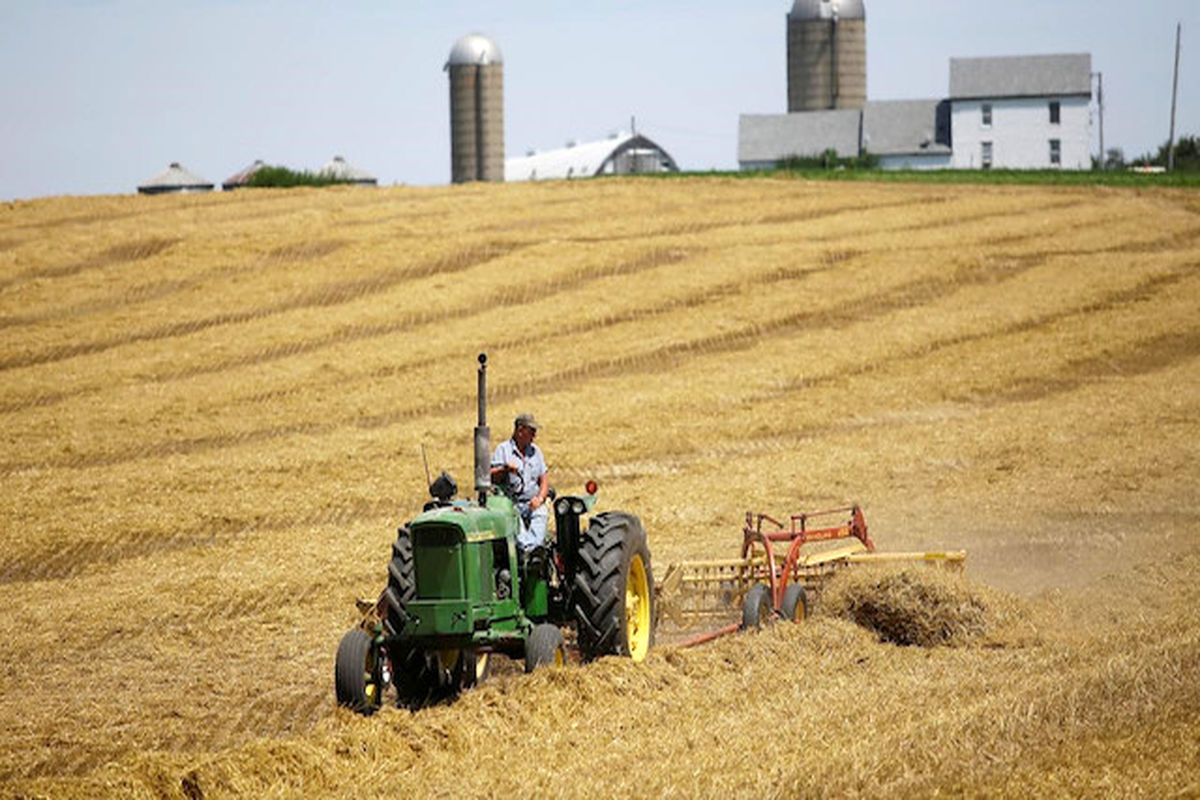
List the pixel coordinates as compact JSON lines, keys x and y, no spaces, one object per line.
{"x":917,"y":605}
{"x":214,"y":407}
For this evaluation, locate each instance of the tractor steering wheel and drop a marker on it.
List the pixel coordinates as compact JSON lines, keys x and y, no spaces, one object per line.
{"x":511,"y":491}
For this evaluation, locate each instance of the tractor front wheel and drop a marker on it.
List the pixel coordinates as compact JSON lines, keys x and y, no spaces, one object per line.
{"x":361,"y":673}
{"x":613,"y":593}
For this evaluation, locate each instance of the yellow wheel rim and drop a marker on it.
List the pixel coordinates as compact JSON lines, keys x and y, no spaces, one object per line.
{"x":637,"y":609}
{"x":798,"y":612}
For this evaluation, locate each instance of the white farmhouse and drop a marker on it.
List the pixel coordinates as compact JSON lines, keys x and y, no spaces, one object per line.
{"x":1021,"y":112}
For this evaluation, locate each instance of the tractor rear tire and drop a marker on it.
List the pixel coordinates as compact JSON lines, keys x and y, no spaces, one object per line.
{"x":359,"y":674}
{"x":756,"y":608}
{"x":613,"y":591}
{"x":544,"y":647}
{"x":795,"y":603}
{"x":402,"y":581}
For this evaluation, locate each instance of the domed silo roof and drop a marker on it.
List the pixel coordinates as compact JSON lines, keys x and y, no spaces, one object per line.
{"x":342,"y":170}
{"x":824,"y":9}
{"x":175,"y":179}
{"x":474,"y":48}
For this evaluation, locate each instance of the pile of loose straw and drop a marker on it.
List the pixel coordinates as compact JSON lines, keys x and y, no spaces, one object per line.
{"x":921,"y":606}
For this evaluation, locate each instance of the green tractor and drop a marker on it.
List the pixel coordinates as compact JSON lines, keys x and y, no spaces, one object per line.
{"x":459,"y":591}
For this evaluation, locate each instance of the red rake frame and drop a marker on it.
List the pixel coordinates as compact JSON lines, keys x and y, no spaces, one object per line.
{"x":799,"y":534}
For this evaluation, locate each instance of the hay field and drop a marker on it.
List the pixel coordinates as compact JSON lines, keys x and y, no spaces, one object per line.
{"x":212,"y":409}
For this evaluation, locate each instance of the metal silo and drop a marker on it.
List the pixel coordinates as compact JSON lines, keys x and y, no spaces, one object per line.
{"x":476,"y":110}
{"x":827,"y":55}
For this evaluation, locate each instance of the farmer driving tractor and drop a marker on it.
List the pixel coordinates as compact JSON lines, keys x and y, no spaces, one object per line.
{"x":518,"y":465}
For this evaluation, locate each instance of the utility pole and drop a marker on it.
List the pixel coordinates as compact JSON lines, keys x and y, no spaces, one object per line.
{"x":1100,"y":102}
{"x":1174,"y":96}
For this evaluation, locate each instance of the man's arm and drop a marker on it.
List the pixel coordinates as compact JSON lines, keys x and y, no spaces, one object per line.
{"x":543,"y":491}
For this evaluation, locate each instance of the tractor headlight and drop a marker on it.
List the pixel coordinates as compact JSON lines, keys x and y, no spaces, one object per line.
{"x":562,"y":506}
{"x":577,"y":506}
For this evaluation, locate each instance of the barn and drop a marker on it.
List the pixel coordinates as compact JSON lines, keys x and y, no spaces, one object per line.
{"x":619,"y":154}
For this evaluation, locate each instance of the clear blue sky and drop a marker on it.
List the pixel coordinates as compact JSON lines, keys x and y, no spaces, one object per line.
{"x":96,"y":96}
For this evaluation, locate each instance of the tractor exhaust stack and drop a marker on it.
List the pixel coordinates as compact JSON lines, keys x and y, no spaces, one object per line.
{"x":483,"y":439}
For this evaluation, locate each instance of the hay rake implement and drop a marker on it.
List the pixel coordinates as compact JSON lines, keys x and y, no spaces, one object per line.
{"x":782,"y":565}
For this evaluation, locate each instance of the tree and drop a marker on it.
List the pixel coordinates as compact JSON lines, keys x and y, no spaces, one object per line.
{"x":1187,"y":155}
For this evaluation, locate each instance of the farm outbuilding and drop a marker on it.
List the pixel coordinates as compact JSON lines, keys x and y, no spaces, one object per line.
{"x":903,"y":134}
{"x":242,"y":177}
{"x":620,"y":154}
{"x":175,"y":179}
{"x":342,"y":170}
{"x":908,"y":134}
{"x":766,"y":139}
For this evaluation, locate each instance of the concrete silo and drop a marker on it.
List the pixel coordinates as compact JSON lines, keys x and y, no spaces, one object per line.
{"x":827,"y":55}
{"x":476,"y":110}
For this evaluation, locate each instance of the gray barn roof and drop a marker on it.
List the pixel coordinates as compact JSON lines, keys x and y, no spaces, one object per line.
{"x":906,"y":127}
{"x":1021,"y":76}
{"x":771,"y":137}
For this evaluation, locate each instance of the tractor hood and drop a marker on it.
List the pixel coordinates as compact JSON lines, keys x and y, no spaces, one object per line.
{"x":496,"y":520}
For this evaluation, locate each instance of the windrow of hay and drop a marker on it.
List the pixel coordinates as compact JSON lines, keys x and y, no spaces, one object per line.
{"x":920,"y":605}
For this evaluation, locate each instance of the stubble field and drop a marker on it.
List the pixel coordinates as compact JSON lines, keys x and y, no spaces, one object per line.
{"x":212,"y":410}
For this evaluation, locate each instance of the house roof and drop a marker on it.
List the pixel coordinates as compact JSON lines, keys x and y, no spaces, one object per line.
{"x":174,"y":179}
{"x":578,"y":160}
{"x":771,"y":137}
{"x":906,"y":127}
{"x":339,"y":168}
{"x":1021,"y":76}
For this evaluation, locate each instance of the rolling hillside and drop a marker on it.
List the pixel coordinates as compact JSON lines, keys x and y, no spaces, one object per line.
{"x":213,"y":408}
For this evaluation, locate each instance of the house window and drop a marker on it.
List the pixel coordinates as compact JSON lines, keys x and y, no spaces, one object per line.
{"x":987,"y":115}
{"x":1055,"y":112}
{"x":1055,"y":152}
{"x":985,"y":155}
